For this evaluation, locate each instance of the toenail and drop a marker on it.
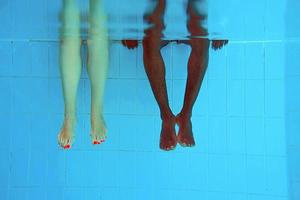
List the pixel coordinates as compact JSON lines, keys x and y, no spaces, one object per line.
{"x":67,"y":146}
{"x":96,"y":142}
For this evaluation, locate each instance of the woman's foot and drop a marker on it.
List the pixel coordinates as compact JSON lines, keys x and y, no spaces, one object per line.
{"x":98,"y":132}
{"x":67,"y":133}
{"x":168,"y":138}
{"x":185,"y":135}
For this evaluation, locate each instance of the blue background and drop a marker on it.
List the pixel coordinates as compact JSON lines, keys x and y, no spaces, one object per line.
{"x":246,"y":118}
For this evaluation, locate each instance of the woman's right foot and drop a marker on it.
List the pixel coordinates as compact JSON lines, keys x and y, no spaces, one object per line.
{"x":168,"y":138}
{"x":67,"y":133}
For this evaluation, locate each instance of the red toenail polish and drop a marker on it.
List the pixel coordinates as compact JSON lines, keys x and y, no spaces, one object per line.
{"x":96,"y":142}
{"x":67,"y":146}
{"x":102,"y":140}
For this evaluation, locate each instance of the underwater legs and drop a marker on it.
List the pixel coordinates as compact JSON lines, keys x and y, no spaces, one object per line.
{"x":97,"y":68}
{"x":70,"y":66}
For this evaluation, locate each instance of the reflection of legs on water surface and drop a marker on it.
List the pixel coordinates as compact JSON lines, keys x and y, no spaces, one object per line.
{"x":155,"y":69}
{"x":70,"y":65}
{"x":97,"y":68}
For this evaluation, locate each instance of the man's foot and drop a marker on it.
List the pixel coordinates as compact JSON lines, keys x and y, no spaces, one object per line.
{"x":67,"y":133}
{"x":98,"y":132}
{"x":168,"y":138}
{"x":218,"y":44}
{"x":185,"y":135}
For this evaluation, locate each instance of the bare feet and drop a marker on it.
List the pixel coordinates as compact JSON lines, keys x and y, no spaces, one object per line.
{"x":67,"y":133}
{"x":168,"y":138}
{"x":98,"y":131}
{"x":218,"y":44}
{"x":185,"y":135}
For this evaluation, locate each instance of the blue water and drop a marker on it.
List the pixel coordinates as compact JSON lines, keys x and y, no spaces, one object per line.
{"x":246,"y":118}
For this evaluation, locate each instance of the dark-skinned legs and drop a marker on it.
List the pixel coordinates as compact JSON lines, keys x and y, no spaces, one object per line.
{"x":197,"y":65}
{"x":155,"y":69}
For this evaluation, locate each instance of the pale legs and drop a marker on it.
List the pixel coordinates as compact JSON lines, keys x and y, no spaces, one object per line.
{"x":70,"y":66}
{"x":70,"y":63}
{"x":97,"y":68}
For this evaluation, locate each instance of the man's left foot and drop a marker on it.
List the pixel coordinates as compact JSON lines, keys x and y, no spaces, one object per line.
{"x":185,"y":135}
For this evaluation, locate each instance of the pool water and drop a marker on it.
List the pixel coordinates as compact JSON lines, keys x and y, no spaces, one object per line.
{"x":245,"y":120}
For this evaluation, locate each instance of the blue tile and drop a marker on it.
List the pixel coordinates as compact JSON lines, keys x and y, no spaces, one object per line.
{"x":18,"y":194}
{"x":55,"y":123}
{"x":39,"y":96}
{"x":19,"y":168}
{"x":275,"y":137}
{"x":37,"y":168}
{"x":53,"y":23}
{"x":167,"y":53}
{"x":236,"y":98}
{"x":40,"y":58}
{"x":146,"y":103}
{"x":54,"y":193}
{"x":22,"y":25}
{"x":201,"y":105}
{"x":217,"y":135}
{"x":110,"y":194}
{"x":21,"y":59}
{"x":294,"y":191}
{"x":294,"y":163}
{"x":198,"y":167}
{"x":144,"y":169}
{"x":4,"y":193}
{"x":162,"y":170}
{"x":36,"y":192}
{"x":6,"y":95}
{"x":56,"y":168}
{"x":236,"y":61}
{"x":274,"y":60}
{"x":92,"y":193}
{"x":114,"y":61}
{"x":254,"y":67}
{"x":56,"y":101}
{"x":179,"y":163}
{"x":201,"y":134}
{"x":39,"y":131}
{"x":254,"y":106}
{"x":292,"y":129}
{"x":236,"y":136}
{"x":237,"y":174}
{"x":217,"y":196}
{"x":39,"y":26}
{"x":4,"y":168}
{"x":178,"y":95}
{"x":145,"y":133}
{"x":256,"y":174}
{"x":179,"y":63}
{"x":163,"y":194}
{"x":54,"y":67}
{"x":110,"y":165}
{"x":128,"y":132}
{"x":127,"y":173}
{"x":292,"y":96}
{"x":238,"y":196}
{"x":92,"y":174}
{"x":6,"y":128}
{"x":127,"y":193}
{"x":128,"y":62}
{"x":255,"y":136}
{"x":76,"y":194}
{"x":146,"y":194}
{"x":5,"y":57}
{"x":112,"y":96}
{"x":217,"y":173}
{"x":217,"y":97}
{"x":217,"y":65}
{"x":291,"y":59}
{"x":21,"y":95}
{"x":113,"y":132}
{"x":274,"y":98}
{"x":74,"y":172}
{"x":277,"y":176}
{"x":127,"y":96}
{"x":21,"y":133}
{"x":6,"y":18}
